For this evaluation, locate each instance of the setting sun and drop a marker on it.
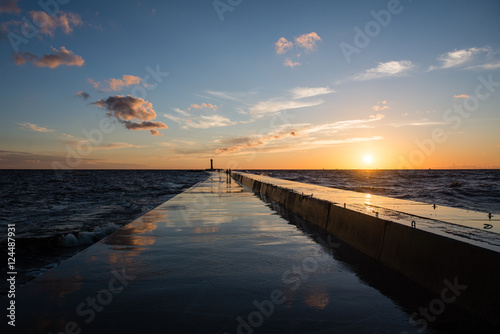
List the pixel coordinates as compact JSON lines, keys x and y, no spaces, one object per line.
{"x":368,"y":158}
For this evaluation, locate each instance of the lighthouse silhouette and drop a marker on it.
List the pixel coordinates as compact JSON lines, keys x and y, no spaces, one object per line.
{"x":211,"y":164}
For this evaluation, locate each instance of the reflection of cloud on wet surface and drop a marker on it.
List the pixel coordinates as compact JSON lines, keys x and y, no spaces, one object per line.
{"x":317,"y":297}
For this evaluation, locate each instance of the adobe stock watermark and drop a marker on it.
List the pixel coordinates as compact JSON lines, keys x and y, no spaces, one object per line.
{"x":436,"y":307}
{"x":293,"y":278}
{"x":76,"y":152}
{"x":30,"y":28}
{"x":223,"y":6}
{"x":454,"y":116}
{"x":87,"y":310}
{"x":372,"y":29}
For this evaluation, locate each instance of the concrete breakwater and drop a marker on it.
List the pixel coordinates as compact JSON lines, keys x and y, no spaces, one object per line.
{"x":429,"y":256}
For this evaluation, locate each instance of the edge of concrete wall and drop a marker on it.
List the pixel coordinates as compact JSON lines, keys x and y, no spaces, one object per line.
{"x":426,"y":258}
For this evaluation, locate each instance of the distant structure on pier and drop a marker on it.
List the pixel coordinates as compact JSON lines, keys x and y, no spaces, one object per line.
{"x":212,"y":166}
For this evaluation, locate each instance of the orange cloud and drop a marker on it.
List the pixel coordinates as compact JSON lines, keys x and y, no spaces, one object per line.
{"x":155,"y":132}
{"x":9,"y":6}
{"x":308,"y":41}
{"x":246,"y":143}
{"x":58,"y":58}
{"x":49,"y":24}
{"x":83,"y":95}
{"x":116,"y":84}
{"x":461,"y":96}
{"x":204,"y":105}
{"x":282,"y":46}
{"x":128,"y":108}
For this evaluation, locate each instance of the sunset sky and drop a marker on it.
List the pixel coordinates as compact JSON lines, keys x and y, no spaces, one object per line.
{"x":252,"y":84}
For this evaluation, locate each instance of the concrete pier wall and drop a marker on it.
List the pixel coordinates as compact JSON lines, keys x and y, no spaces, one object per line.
{"x":443,"y":265}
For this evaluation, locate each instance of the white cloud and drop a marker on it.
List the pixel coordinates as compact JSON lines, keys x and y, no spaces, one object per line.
{"x":290,"y":63}
{"x":457,"y":58}
{"x":232,"y":96}
{"x":381,"y":105}
{"x":388,"y":69}
{"x":188,"y":120}
{"x":416,"y":123}
{"x":487,"y":66}
{"x":272,"y":106}
{"x":377,"y":116}
{"x":34,"y":127}
{"x":212,"y":121}
{"x":302,"y":92}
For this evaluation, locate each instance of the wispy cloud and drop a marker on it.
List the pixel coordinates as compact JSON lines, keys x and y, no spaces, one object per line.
{"x":45,"y":23}
{"x":231,"y":96}
{"x":302,"y":92}
{"x":83,"y":95}
{"x":212,"y":121}
{"x":49,"y":24}
{"x":487,"y":66}
{"x":424,"y":122}
{"x":115,"y":85}
{"x":242,"y":143}
{"x":9,"y":6}
{"x":272,"y":106}
{"x":188,"y":120}
{"x":308,"y":41}
{"x":297,"y":137}
{"x":388,"y":69}
{"x":34,"y":127}
{"x":15,"y":159}
{"x":72,"y":142}
{"x":457,"y":58}
{"x":58,"y":58}
{"x":290,"y":63}
{"x":381,"y":105}
{"x":283,"y":45}
{"x":461,"y":96}
{"x":128,"y":108}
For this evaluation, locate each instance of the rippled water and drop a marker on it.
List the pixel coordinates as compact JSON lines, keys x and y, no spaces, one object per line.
{"x":58,"y":214}
{"x":477,"y":190}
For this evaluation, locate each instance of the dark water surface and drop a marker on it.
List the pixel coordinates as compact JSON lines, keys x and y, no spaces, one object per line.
{"x":477,"y":190}
{"x":59,"y":214}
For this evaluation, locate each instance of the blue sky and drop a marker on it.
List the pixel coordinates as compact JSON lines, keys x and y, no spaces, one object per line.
{"x":252,"y":84}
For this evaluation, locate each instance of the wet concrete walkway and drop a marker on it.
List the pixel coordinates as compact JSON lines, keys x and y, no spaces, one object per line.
{"x":477,"y":228}
{"x":216,"y":259}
